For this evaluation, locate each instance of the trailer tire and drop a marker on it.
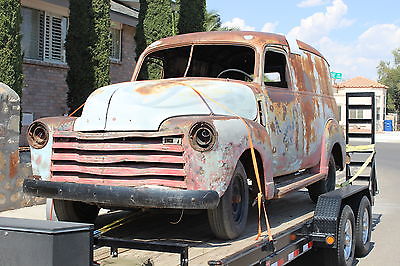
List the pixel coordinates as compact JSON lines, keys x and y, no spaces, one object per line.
{"x":75,"y":211}
{"x":229,"y":219}
{"x":324,"y":185}
{"x":363,"y":228}
{"x":343,"y":254}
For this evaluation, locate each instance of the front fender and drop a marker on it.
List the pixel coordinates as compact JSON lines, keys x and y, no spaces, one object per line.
{"x":41,"y":158}
{"x":213,"y":169}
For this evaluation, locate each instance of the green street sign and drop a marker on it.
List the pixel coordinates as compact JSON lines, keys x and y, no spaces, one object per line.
{"x":336,"y":75}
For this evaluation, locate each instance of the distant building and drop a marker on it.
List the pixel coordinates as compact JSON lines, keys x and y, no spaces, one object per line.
{"x":361,"y":84}
{"x":44,"y":29}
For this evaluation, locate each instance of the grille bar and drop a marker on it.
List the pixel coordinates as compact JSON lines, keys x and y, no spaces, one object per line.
{"x":105,"y":159}
{"x":117,"y":146}
{"x":117,"y":171}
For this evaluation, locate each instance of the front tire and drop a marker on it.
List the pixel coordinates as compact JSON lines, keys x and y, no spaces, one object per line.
{"x":363,"y":228}
{"x":324,"y":185}
{"x":229,"y":219}
{"x":75,"y":211}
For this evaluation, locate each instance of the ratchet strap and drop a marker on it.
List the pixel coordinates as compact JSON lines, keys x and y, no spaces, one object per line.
{"x":366,"y":148}
{"x":117,"y":223}
{"x":260,"y":196}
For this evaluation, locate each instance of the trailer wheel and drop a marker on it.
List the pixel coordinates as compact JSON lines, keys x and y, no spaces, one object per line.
{"x":229,"y":219}
{"x":363,"y":228}
{"x":324,"y":185}
{"x":75,"y":211}
{"x":343,"y":254}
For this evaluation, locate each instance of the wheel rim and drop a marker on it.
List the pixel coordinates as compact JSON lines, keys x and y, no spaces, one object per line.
{"x":365,"y":226}
{"x":237,"y":202}
{"x":348,"y":239}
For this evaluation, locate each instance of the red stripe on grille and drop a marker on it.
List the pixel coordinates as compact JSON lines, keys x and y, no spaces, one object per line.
{"x":117,"y":146}
{"x":116,"y":158}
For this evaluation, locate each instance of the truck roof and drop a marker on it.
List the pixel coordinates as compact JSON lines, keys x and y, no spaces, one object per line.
{"x":253,"y":38}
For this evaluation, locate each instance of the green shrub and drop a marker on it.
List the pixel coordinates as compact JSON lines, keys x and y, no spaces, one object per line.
{"x":10,"y":45}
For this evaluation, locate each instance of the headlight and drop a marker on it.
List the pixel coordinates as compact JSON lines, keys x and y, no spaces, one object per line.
{"x":202,"y":136}
{"x":38,"y":135}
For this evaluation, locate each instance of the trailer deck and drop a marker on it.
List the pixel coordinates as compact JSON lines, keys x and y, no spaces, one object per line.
{"x":284,"y":214}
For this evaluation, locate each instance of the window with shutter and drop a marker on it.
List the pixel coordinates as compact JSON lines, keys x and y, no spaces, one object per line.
{"x":31,"y":33}
{"x":43,"y":35}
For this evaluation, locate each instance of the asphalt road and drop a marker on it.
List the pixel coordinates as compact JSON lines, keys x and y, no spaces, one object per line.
{"x":386,"y":212}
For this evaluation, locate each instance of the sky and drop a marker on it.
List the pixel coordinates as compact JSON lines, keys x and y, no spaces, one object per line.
{"x":353,"y":35}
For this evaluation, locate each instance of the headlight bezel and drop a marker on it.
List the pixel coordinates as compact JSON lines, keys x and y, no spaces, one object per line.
{"x":202,"y":136}
{"x":38,"y":135}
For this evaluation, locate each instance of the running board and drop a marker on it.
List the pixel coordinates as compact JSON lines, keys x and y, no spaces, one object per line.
{"x":298,"y":182}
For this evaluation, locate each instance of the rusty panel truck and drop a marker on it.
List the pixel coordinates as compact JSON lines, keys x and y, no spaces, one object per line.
{"x":209,"y":121}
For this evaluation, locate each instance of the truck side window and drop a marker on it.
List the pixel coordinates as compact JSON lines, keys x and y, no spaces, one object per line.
{"x":275,"y":70}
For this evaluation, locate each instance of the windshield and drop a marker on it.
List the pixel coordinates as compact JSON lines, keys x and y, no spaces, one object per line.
{"x":213,"y":61}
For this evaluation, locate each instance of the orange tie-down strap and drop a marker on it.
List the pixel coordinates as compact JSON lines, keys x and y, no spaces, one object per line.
{"x":260,"y":196}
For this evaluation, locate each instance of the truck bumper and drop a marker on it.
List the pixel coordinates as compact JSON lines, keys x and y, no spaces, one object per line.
{"x":118,"y":196}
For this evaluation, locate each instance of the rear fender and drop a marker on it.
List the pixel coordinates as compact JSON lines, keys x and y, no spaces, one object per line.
{"x":333,"y":134}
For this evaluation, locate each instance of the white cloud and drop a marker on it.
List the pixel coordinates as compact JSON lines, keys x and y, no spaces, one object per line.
{"x":321,"y":24}
{"x":269,"y":26}
{"x":361,"y":57}
{"x":311,"y":3}
{"x":380,"y":38}
{"x":238,"y":23}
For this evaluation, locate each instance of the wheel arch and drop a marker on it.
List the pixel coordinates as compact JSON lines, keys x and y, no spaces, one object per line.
{"x":338,"y":156}
{"x":333,"y":143}
{"x":247,"y":162}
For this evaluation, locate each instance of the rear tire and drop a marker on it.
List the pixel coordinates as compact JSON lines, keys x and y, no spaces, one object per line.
{"x":363,"y":228}
{"x":343,"y":254}
{"x":324,"y":185}
{"x":75,"y":211}
{"x":229,"y":219}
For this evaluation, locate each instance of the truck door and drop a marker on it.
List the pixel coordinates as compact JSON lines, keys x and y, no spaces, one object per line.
{"x":284,"y":119}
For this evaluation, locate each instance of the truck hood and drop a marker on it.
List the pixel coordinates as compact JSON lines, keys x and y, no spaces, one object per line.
{"x":144,"y":105}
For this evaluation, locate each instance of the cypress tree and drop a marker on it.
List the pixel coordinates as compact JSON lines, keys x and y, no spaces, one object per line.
{"x":101,"y":44}
{"x":192,"y":15}
{"x":87,"y":49}
{"x":80,"y":77}
{"x":155,"y":22}
{"x":10,"y":45}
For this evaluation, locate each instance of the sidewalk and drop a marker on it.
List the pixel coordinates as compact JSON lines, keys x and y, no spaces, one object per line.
{"x":37,"y":212}
{"x":388,"y":136}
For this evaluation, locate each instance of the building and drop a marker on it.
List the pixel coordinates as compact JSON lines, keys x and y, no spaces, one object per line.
{"x":44,"y":29}
{"x":361,"y":84}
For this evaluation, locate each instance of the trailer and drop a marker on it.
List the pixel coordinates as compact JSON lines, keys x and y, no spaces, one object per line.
{"x":338,"y":227}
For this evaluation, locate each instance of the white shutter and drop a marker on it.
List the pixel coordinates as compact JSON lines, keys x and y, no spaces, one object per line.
{"x":54,"y":37}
